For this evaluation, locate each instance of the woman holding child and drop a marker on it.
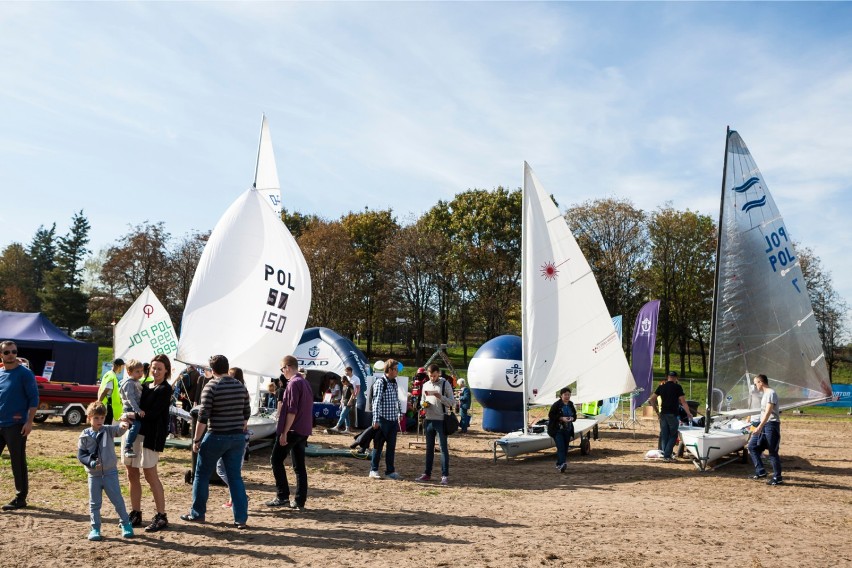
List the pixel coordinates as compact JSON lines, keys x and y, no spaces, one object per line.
{"x":155,"y":401}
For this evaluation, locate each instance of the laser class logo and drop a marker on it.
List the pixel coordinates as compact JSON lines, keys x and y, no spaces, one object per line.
{"x":749,"y":205}
{"x":550,"y":270}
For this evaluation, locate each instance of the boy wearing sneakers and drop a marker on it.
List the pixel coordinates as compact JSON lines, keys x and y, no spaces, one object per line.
{"x":131,"y":393}
{"x":96,"y":451}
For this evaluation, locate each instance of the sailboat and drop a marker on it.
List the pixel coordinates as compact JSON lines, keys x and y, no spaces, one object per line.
{"x":567,"y":334}
{"x":144,"y":330}
{"x":762,"y":322}
{"x":251,"y":293}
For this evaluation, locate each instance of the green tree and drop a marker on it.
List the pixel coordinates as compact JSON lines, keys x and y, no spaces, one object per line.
{"x":62,"y":299}
{"x":42,"y":252}
{"x":17,"y":290}
{"x":297,"y":223}
{"x":369,"y":233}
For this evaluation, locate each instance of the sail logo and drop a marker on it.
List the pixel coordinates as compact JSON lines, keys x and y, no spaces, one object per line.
{"x":744,"y":187}
{"x":313,"y":351}
{"x":602,"y":344}
{"x":550,"y":270}
{"x":514,"y":376}
{"x":753,"y":204}
{"x":778,"y":250}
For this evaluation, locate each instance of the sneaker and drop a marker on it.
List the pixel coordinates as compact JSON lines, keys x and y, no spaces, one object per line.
{"x":423,"y":478}
{"x":395,"y":476}
{"x":775,"y":481}
{"x":190,"y":519}
{"x":170,"y":436}
{"x":278,"y":502}
{"x":228,"y":505}
{"x":757,"y":476}
{"x":347,"y":431}
{"x":129,"y":453}
{"x":95,"y":534}
{"x":374,"y":475}
{"x":294,"y":505}
{"x":445,"y":480}
{"x":126,"y":529}
{"x":159,"y":523}
{"x":563,"y":467}
{"x":241,"y":526}
{"x":135,"y":518}
{"x":16,"y":503}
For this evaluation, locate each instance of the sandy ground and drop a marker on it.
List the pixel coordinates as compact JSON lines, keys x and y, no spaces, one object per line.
{"x":611,"y":508}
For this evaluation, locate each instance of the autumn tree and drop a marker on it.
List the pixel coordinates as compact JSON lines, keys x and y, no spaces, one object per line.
{"x":17,"y":290}
{"x":182,"y":262}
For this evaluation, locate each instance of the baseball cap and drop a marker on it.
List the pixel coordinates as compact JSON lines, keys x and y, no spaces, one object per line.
{"x":672,"y":374}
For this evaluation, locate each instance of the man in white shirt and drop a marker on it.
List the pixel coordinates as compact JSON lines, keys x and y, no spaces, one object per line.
{"x":767,"y":435}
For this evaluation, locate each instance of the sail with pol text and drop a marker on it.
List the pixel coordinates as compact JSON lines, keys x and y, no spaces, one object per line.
{"x":144,"y":330}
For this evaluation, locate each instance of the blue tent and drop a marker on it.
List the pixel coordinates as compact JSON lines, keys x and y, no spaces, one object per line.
{"x":39,"y":341}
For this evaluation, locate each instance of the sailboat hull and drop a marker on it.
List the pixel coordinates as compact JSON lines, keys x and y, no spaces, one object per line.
{"x":515,"y":444}
{"x":261,"y":426}
{"x":707,"y":447}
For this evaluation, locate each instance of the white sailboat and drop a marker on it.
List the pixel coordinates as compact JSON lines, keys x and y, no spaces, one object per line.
{"x":763,"y":322}
{"x":144,"y":330}
{"x":567,"y":333}
{"x":251,"y":292}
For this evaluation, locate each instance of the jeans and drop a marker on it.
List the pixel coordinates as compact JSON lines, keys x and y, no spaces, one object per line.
{"x":769,"y":439}
{"x":344,"y":417}
{"x":296,"y":444}
{"x":668,"y":433}
{"x":388,"y":430}
{"x":106,"y":483}
{"x":464,"y":423}
{"x":231,"y":448}
{"x":132,"y":432}
{"x":11,"y":437}
{"x":433,"y":428}
{"x":562,"y":439}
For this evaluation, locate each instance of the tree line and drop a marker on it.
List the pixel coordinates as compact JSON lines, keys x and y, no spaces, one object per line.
{"x":451,"y":274}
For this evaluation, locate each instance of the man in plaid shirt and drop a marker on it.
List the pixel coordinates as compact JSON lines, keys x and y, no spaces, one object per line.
{"x":386,"y":414}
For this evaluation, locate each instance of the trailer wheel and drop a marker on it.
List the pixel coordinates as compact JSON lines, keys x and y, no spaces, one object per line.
{"x":680,"y":450}
{"x":585,"y":446}
{"x":39,"y":418}
{"x":187,"y":476}
{"x":74,"y":417}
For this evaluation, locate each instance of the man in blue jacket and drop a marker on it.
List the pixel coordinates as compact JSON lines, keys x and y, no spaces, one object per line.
{"x":18,"y":405}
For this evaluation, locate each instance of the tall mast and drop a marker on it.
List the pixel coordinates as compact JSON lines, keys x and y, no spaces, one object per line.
{"x":714,"y":317}
{"x":524,"y":359}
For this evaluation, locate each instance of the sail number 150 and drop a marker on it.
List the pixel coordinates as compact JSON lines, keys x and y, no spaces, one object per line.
{"x":273,"y":321}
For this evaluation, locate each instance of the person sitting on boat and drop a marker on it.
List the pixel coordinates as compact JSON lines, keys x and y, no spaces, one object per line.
{"x":96,"y":451}
{"x":465,"y":401}
{"x":131,"y":394}
{"x":767,"y":434}
{"x":672,"y":396}
{"x":560,"y":426}
{"x":108,"y":392}
{"x":268,"y":400}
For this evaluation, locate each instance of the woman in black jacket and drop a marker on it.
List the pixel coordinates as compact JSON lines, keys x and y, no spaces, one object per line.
{"x":560,"y":426}
{"x":156,"y":400}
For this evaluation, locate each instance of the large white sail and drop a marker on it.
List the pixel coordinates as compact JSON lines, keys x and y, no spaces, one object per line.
{"x":568,"y":334}
{"x":266,"y":171}
{"x":251,"y":292}
{"x":764,"y":319}
{"x":145,"y":330}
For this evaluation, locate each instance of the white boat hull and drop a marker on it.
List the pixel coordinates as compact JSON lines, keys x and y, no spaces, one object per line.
{"x":518,"y":443}
{"x":261,"y":426}
{"x":711,"y":446}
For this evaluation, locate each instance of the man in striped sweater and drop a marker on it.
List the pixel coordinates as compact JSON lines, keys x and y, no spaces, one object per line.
{"x":222,"y":420}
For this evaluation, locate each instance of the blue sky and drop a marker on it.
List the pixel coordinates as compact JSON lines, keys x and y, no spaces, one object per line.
{"x":151,"y":111}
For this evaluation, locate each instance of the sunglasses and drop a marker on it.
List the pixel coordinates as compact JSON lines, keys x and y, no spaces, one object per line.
{"x":12,"y":351}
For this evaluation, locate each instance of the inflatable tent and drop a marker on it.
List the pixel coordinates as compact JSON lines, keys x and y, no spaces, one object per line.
{"x":39,"y":341}
{"x":325,"y":354}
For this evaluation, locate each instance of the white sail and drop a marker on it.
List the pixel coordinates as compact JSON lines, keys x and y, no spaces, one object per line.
{"x":568,"y":334}
{"x":251,"y":292}
{"x":765,"y":322}
{"x":266,"y":172}
{"x":145,"y":330}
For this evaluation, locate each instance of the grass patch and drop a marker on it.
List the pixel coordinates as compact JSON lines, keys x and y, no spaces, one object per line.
{"x":66,"y":466}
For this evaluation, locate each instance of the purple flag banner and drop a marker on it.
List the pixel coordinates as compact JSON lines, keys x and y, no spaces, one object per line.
{"x":644,"y":340}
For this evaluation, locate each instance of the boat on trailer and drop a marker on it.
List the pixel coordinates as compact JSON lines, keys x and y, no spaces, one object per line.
{"x":762,"y":322}
{"x":568,"y":335}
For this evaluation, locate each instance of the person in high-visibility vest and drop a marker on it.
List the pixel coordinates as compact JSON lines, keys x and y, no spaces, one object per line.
{"x":108,"y":391}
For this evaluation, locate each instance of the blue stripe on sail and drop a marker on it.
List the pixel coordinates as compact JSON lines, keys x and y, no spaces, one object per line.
{"x":746,"y":185}
{"x":756,"y":203}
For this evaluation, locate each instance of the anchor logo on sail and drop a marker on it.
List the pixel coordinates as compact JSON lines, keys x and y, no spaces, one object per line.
{"x":645,"y":326}
{"x":313,"y":351}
